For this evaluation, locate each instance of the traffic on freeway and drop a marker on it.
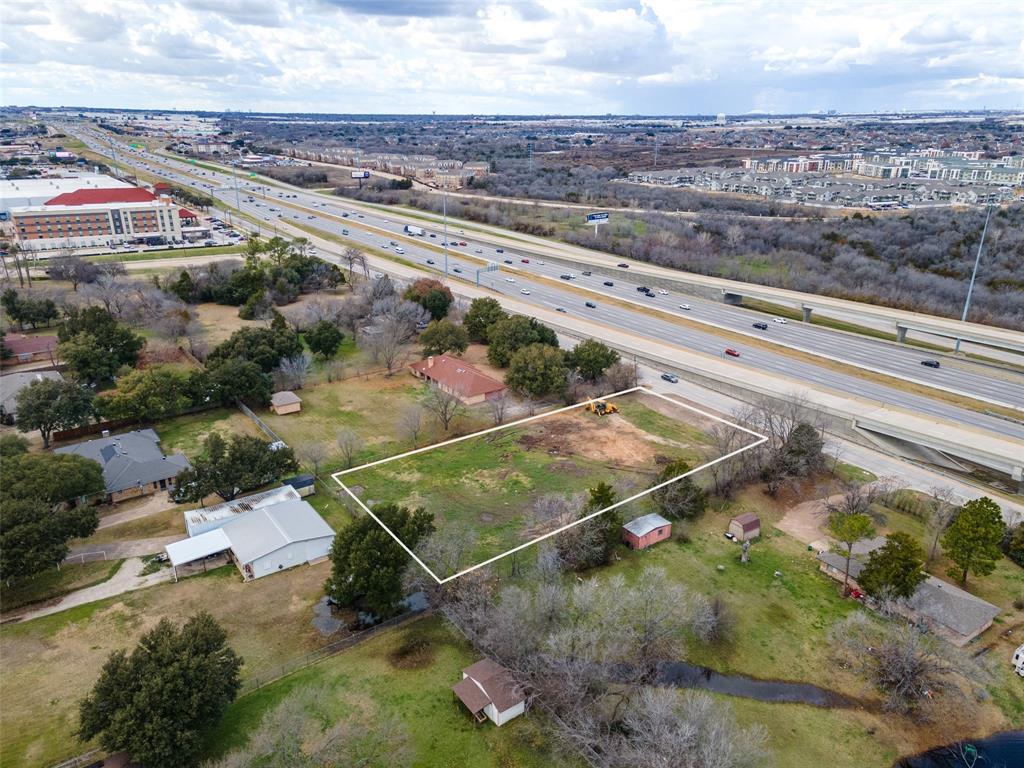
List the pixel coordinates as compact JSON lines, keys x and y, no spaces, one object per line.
{"x":557,"y":285}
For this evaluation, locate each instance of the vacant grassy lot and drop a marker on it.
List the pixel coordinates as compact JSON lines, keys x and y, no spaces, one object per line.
{"x":55,"y":583}
{"x":374,"y":679}
{"x":187,"y":433}
{"x":51,"y":662}
{"x":491,"y":483}
{"x":165,"y":523}
{"x":170,"y":253}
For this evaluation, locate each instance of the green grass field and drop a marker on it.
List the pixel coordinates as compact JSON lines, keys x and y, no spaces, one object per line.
{"x":170,"y":253}
{"x":55,"y":583}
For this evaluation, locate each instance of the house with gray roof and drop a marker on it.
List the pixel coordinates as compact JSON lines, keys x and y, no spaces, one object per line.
{"x":12,"y":384}
{"x":946,"y":610}
{"x":133,"y":463}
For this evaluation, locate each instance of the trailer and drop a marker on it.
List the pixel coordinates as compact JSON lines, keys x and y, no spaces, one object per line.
{"x":411,"y":230}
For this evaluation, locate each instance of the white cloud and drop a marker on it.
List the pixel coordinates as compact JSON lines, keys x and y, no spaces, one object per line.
{"x":653,"y":56}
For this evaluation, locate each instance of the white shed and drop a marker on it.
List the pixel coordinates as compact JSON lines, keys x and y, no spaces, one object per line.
{"x":489,"y":692}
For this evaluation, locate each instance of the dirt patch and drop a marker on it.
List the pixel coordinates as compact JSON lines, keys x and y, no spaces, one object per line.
{"x":615,"y":442}
{"x":414,"y":653}
{"x":476,"y":355}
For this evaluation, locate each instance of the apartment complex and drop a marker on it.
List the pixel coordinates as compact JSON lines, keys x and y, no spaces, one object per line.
{"x":97,"y":217}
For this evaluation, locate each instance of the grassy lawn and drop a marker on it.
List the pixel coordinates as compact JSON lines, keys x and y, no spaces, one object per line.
{"x":166,"y":523}
{"x":51,"y":662}
{"x":170,"y":253}
{"x":849,"y":473}
{"x":55,"y":583}
{"x":490,"y":483}
{"x":371,"y":678}
{"x":187,"y":433}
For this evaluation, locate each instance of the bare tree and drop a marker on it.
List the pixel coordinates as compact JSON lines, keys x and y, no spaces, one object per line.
{"x":443,"y":405}
{"x":294,"y":371}
{"x":498,"y":405}
{"x":353,"y":257}
{"x":313,"y":454}
{"x":711,"y":621}
{"x":619,"y":376}
{"x":385,"y":342}
{"x":349,"y":443}
{"x":943,"y":511}
{"x":73,"y":268}
{"x":410,"y":423}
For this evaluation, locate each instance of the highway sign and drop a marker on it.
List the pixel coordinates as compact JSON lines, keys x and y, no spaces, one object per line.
{"x":360,"y":174}
{"x":597,"y":218}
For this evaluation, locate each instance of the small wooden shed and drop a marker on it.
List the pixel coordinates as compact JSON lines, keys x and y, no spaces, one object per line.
{"x":284,"y":402}
{"x":745,"y":527}
{"x":645,"y":531}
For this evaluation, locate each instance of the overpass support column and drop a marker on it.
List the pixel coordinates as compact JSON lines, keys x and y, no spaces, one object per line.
{"x":734,"y":299}
{"x":901,"y":333}
{"x":807,"y":313}
{"x":1018,"y":475}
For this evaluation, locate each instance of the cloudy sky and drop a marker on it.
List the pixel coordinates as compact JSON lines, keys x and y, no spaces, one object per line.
{"x":514,"y":56}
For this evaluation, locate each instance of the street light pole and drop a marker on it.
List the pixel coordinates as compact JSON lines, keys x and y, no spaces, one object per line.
{"x":974,"y":272}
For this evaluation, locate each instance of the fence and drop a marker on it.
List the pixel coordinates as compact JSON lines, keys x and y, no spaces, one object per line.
{"x":254,"y":684}
{"x":84,"y":557}
{"x":260,"y":423}
{"x":91,"y":757}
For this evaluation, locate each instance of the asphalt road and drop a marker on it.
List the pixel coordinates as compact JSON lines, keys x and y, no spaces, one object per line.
{"x":370,"y":228}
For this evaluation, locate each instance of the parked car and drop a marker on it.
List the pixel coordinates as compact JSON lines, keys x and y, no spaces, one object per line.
{"x":930,"y":363}
{"x":609,"y":283}
{"x":761,"y":326}
{"x":780,"y":320}
{"x":671,"y":378}
{"x":591,"y":304}
{"x":731,"y":352}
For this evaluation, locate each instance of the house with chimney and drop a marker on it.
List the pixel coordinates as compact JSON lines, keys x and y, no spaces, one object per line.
{"x":459,"y":378}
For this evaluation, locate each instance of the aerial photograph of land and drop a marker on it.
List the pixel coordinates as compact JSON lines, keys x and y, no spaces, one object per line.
{"x":511,"y":384}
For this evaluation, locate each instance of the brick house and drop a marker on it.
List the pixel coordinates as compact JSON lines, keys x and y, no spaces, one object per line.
{"x":459,"y":378}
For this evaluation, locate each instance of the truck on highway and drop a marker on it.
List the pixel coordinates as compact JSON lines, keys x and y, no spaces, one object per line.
{"x":414,"y":231}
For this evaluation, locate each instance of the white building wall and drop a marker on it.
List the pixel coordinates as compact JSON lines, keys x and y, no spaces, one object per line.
{"x":500,"y":718}
{"x":296,"y":553}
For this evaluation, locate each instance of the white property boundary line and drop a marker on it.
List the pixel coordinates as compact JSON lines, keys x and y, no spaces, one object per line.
{"x":337,"y":475}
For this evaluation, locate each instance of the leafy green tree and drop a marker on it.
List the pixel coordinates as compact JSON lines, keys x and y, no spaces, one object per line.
{"x":682,"y":499}
{"x":231,"y":380}
{"x":848,"y":528}
{"x":592,"y":358}
{"x":482,"y":314}
{"x":508,"y":336}
{"x":1013,"y":543}
{"x":537,"y":370}
{"x":48,"y":405}
{"x":158,"y":703}
{"x":324,"y":338}
{"x":228,"y":468}
{"x":115,"y":340}
{"x":150,"y":393}
{"x":51,"y":478}
{"x":442,"y":336}
{"x":972,"y":540}
{"x":433,"y":295}
{"x":263,"y":346}
{"x":34,"y":535}
{"x":86,"y":359}
{"x":368,"y":564}
{"x":895,"y":569}
{"x":28,"y":309}
{"x":12,"y":445}
{"x":184,"y":287}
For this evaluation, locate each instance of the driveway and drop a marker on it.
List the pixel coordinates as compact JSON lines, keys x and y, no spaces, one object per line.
{"x":149,"y":505}
{"x":124,"y":549}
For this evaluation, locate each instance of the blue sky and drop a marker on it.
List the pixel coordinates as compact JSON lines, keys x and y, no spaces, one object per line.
{"x":521,"y":56}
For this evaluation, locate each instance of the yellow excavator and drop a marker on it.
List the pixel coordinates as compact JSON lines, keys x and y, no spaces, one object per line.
{"x":602,"y":407}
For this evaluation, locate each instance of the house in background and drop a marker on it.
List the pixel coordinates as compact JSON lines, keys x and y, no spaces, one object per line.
{"x":459,"y":378}
{"x":12,"y":384}
{"x":645,"y":531}
{"x":304,"y":485}
{"x":489,"y":692}
{"x":133,"y":464}
{"x":30,"y":349}
{"x":284,"y":402}
{"x":745,"y":527}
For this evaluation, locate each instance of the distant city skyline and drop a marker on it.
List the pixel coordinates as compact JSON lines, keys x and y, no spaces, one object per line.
{"x":656,"y":57}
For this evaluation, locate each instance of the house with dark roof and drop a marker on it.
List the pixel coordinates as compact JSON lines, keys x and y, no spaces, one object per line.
{"x":488,"y":691}
{"x":946,"y":610}
{"x":133,"y":463}
{"x":12,"y":384}
{"x":459,"y":378}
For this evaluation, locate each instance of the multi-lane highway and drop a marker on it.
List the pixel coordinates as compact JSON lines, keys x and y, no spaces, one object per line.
{"x":538,"y":281}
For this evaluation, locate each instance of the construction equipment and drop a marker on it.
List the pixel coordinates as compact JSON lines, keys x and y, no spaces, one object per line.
{"x":602,"y":407}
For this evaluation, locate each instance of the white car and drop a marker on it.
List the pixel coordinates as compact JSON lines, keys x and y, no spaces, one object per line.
{"x":524,"y":292}
{"x":685,"y":306}
{"x":479,"y":250}
{"x":510,"y":279}
{"x":780,"y":320}
{"x":399,"y":249}
{"x":541,"y":263}
{"x":663,"y":292}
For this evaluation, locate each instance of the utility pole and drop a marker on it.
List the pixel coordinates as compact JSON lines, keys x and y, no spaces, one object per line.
{"x":974,"y":272}
{"x":655,"y":151}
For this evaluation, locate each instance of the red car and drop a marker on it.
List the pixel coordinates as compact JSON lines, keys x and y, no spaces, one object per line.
{"x":525,"y":261}
{"x":731,"y":352}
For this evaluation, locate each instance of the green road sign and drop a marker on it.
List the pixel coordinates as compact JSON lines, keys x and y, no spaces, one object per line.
{"x":252,"y":175}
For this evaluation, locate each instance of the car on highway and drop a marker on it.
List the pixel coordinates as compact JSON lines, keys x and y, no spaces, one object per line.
{"x":587,"y":273}
{"x":510,"y":279}
{"x":457,"y":269}
{"x":609,"y":283}
{"x":430,"y":261}
{"x":761,"y":326}
{"x":399,"y":249}
{"x":311,"y":216}
{"x":462,"y":242}
{"x":671,"y":378}
{"x":623,"y":264}
{"x":499,"y":250}
{"x":685,"y":306}
{"x":590,"y":304}
{"x":433,"y":234}
{"x":930,"y":363}
{"x":508,"y":261}
{"x":524,"y":292}
{"x":478,"y":250}
{"x":564,"y":277}
{"x":541,"y":263}
{"x":780,"y":320}
{"x":731,"y":352}
{"x":642,"y":288}
{"x":344,"y":215}
{"x":663,"y":292}
{"x":525,"y":261}
{"x":559,"y":309}
{"x":344,"y":231}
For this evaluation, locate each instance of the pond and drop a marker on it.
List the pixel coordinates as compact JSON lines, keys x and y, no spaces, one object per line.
{"x":683,"y":675}
{"x":1000,"y":750}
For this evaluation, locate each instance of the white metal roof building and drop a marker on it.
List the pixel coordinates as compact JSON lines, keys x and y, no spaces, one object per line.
{"x":203,"y":519}
{"x":263,"y":540}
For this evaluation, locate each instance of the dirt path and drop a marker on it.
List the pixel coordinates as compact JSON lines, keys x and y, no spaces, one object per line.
{"x":127,"y":579}
{"x":805,"y":522}
{"x":123,"y":549}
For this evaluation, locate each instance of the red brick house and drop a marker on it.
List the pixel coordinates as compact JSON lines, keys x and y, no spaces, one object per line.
{"x":458,"y":377}
{"x":645,"y":531}
{"x":26,"y":349}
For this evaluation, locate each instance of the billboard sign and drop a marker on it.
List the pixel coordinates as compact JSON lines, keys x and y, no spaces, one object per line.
{"x":600,"y":217}
{"x":360,"y":174}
